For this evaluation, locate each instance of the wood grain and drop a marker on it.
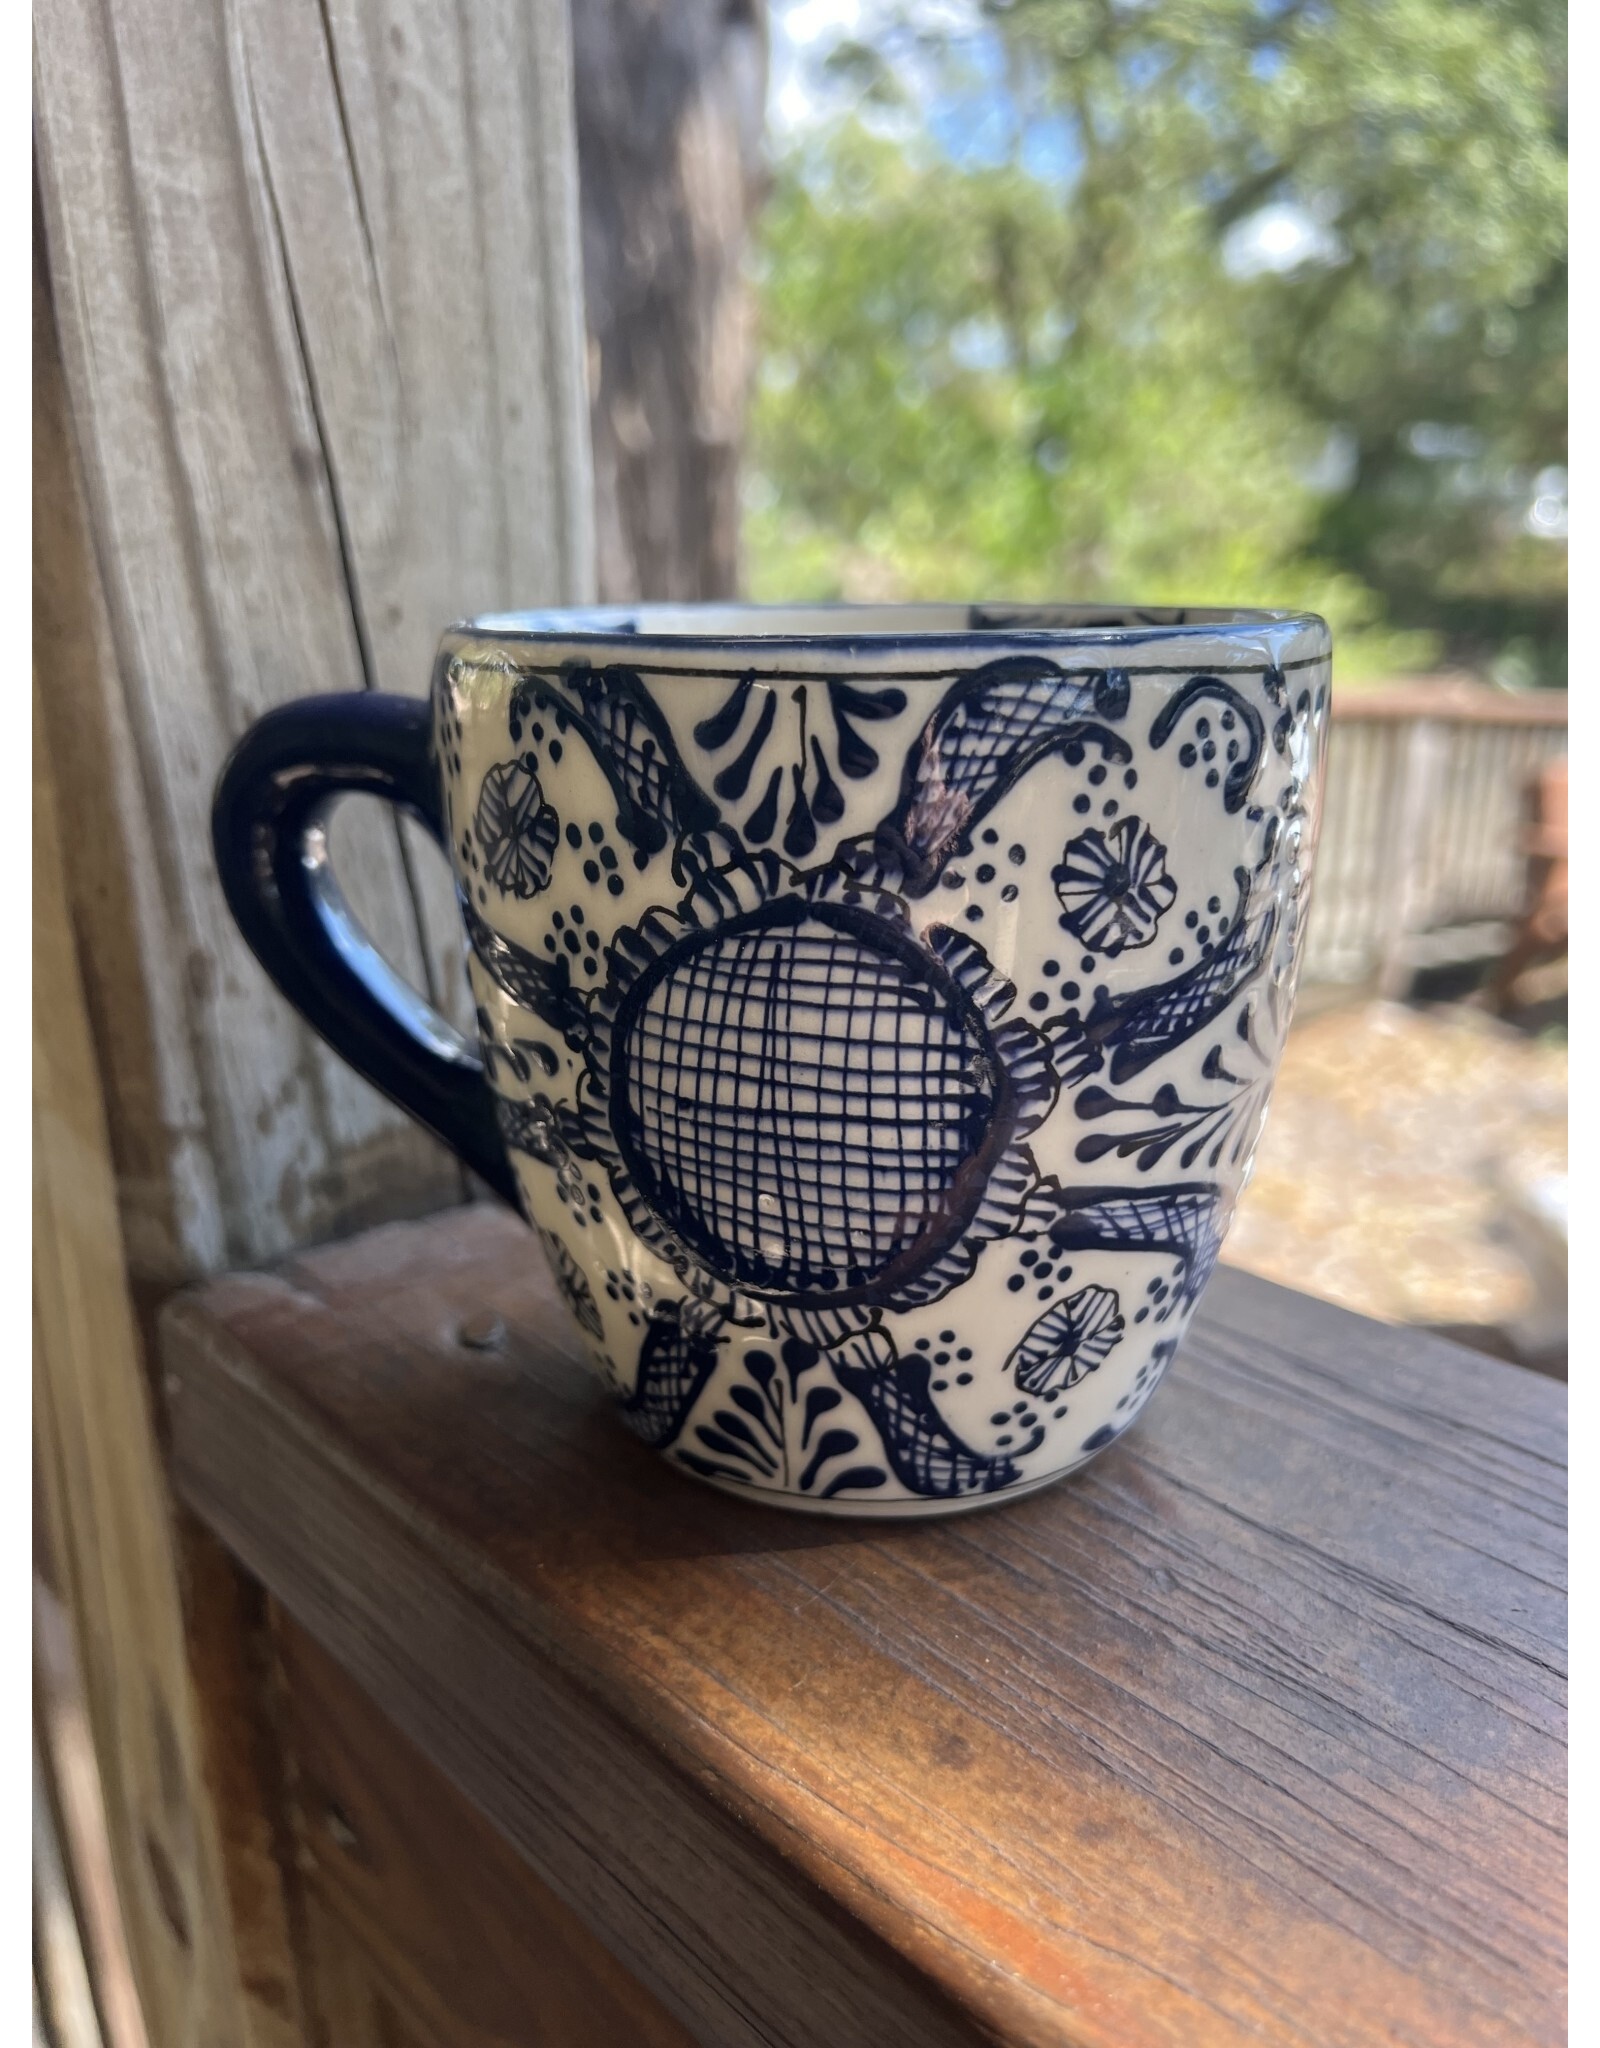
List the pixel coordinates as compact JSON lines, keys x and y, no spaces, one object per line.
{"x":445,"y":1923}
{"x":1253,"y":1731}
{"x":106,"y":1512}
{"x":64,"y":1748}
{"x":315,"y":279}
{"x":309,"y":385}
{"x":63,"y":1989}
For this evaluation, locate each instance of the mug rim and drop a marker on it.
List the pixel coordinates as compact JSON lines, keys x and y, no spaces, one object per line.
{"x":848,"y":630}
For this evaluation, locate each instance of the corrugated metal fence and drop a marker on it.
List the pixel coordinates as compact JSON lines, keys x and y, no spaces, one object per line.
{"x":1424,"y":822}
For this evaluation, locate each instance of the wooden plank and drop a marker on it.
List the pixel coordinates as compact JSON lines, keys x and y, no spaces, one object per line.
{"x":309,"y":384}
{"x":108,"y":1532}
{"x":63,"y":1991}
{"x":170,"y":1206}
{"x":1339,"y":940}
{"x":1452,"y":698}
{"x":450,"y":387}
{"x":444,"y":1923}
{"x":66,"y":1757}
{"x":1401,"y":857}
{"x":1252,"y":1731}
{"x":315,"y":277}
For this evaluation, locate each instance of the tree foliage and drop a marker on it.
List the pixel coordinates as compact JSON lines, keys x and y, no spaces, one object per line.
{"x":1223,"y":300}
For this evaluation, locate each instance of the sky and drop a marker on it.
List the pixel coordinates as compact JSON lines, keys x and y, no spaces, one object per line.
{"x":980,"y":122}
{"x":802,"y":33}
{"x":805,"y":32}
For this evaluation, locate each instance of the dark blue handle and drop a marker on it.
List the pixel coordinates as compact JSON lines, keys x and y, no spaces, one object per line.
{"x":269,"y":831}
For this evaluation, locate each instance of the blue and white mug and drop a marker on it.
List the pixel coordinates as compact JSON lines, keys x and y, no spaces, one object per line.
{"x":877,"y":1008}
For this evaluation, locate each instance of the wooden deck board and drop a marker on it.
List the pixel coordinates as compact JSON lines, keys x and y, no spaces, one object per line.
{"x":1253,"y":1731}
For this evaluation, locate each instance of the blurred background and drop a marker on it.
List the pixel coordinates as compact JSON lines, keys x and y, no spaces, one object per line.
{"x":1225,"y":301}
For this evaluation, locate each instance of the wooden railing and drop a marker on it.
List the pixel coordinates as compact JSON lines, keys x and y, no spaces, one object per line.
{"x":1424,"y":822}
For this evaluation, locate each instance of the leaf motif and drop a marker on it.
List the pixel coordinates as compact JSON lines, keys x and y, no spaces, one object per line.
{"x":927,"y":1457}
{"x":542,"y":986}
{"x":990,"y":729}
{"x":574,"y":1285}
{"x":657,"y":797}
{"x":676,"y":1358}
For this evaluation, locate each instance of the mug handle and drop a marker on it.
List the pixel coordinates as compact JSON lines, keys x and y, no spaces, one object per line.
{"x":269,"y":833}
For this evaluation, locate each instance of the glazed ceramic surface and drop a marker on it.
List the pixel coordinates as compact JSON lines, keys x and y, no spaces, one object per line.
{"x":877,"y":1010}
{"x":882,"y":1023}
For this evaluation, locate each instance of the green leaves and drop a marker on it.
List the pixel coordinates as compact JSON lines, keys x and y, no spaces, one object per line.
{"x":1078,"y":305}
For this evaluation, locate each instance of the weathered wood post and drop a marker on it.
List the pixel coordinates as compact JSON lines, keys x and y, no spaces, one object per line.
{"x":309,"y":383}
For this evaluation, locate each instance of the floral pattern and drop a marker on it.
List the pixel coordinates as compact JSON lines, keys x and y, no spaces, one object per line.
{"x":1068,"y":1341}
{"x":1114,"y":887}
{"x":573,"y":1283}
{"x":516,"y":829}
{"x":752,"y":1065}
{"x":788,"y":749}
{"x":777,"y":1073}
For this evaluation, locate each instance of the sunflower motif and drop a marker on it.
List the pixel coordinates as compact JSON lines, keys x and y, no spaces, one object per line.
{"x":516,"y":829}
{"x":811,"y":1100}
{"x":1068,"y":1342}
{"x":795,"y":1094}
{"x":1114,"y":887}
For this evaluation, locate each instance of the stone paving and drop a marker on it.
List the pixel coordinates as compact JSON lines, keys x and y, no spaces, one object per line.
{"x":1414,"y":1169}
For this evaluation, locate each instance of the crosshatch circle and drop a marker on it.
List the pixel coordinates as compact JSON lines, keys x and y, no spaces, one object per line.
{"x":808,"y":1100}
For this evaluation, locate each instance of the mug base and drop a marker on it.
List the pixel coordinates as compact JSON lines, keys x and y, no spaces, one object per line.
{"x":885,"y":1510}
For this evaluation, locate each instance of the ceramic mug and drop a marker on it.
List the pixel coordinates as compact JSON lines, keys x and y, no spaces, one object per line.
{"x":877,"y":1008}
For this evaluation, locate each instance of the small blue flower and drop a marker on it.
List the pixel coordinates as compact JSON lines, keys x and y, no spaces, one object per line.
{"x":1068,"y":1342}
{"x":1114,"y":887}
